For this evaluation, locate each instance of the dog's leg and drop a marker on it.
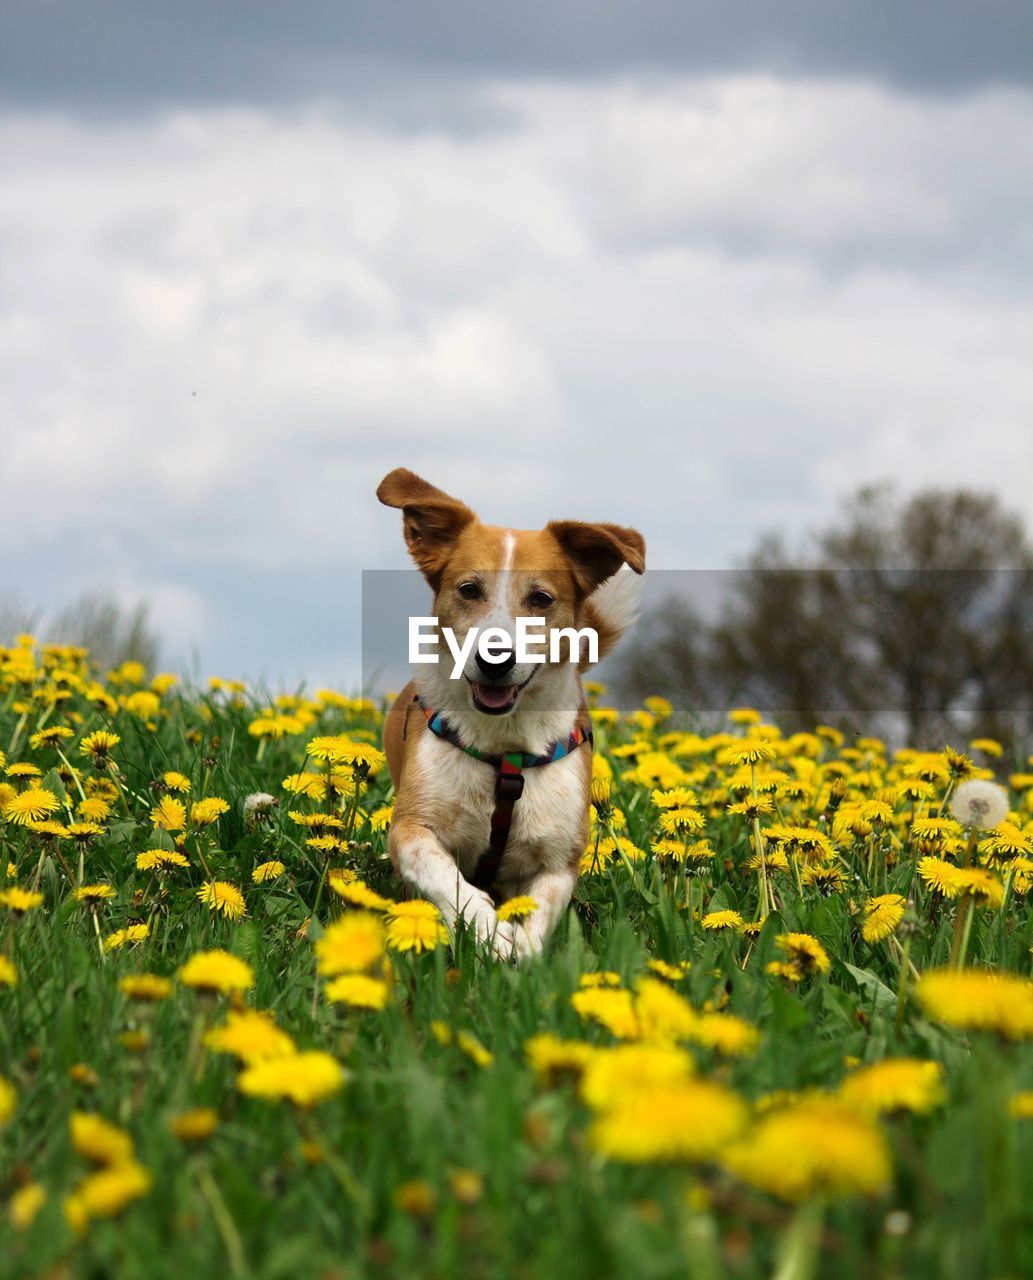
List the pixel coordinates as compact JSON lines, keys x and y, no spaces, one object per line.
{"x":552,"y":890}
{"x":424,"y":863}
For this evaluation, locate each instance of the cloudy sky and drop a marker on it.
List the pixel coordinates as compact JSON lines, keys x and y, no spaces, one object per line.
{"x":698,"y":268}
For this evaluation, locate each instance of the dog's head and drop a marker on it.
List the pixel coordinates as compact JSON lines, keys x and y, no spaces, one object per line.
{"x":483,"y":576}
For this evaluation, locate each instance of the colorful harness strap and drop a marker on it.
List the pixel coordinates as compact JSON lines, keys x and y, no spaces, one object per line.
{"x":509,"y":784}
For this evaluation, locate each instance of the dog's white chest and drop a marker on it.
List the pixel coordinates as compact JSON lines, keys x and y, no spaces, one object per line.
{"x":546,"y":825}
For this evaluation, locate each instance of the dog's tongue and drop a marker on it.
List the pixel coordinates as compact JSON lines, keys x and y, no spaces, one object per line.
{"x":495,"y":695}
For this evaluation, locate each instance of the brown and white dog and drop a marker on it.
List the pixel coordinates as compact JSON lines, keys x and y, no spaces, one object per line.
{"x":481,"y":576}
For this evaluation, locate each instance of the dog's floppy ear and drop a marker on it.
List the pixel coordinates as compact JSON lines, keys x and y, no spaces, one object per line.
{"x":597,"y":551}
{"x":431,"y":520}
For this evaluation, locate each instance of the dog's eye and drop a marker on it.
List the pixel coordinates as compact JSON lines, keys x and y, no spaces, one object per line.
{"x":469,"y":591}
{"x":539,"y":600}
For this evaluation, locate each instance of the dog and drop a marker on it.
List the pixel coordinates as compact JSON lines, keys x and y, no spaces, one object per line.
{"x":476,"y":820}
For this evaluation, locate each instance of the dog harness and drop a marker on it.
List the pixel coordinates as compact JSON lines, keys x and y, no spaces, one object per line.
{"x":509,"y":784}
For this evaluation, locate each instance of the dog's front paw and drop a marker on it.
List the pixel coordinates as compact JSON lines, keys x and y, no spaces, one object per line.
{"x":504,"y":942}
{"x":527,"y":943}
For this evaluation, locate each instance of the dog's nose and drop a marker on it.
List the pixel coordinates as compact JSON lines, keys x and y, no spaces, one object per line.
{"x":503,"y":662}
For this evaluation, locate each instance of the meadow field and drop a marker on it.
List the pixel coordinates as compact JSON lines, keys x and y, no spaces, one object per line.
{"x":784,"y":1030}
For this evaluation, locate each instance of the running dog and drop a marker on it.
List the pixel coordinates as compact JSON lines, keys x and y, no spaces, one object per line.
{"x":492,"y":770}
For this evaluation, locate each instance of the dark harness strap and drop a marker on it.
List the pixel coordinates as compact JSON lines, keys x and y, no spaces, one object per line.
{"x":509,"y":784}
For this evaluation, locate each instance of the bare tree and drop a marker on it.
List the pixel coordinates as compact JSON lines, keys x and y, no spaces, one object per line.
{"x":112,"y":632}
{"x":907,"y":613}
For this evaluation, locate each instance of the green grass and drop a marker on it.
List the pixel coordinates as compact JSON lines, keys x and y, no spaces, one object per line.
{"x":248,"y":1202}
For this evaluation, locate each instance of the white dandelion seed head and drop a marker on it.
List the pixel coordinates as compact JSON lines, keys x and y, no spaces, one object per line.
{"x":256,"y":806}
{"x":980,"y":804}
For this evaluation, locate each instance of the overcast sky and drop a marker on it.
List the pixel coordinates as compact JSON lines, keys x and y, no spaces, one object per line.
{"x":698,"y":268}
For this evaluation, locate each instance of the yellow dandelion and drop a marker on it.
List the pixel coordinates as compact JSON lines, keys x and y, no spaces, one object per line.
{"x":610,"y":1076}
{"x":108,"y":1193}
{"x":415,"y":926}
{"x":25,"y":1204}
{"x":99,"y":1140}
{"x":518,"y":908}
{"x":553,"y":1059}
{"x":722,"y":920}
{"x":224,"y":898}
{"x":250,"y":1035}
{"x":814,"y":1147}
{"x":895,"y":1084}
{"x":170,"y":814}
{"x":20,"y":900}
{"x":204,"y":812}
{"x":99,"y":745}
{"x":131,"y":934}
{"x":194,"y":1126}
{"x":31,"y":805}
{"x":612,"y":1008}
{"x":160,"y":860}
{"x":882,"y":914}
{"x":302,"y":1078}
{"x":359,"y":991}
{"x":93,"y":893}
{"x":976,"y":1000}
{"x":266,"y":871}
{"x":687,"y":1121}
{"x":357,"y":893}
{"x":352,"y":944}
{"x":217,"y":970}
{"x":148,"y":987}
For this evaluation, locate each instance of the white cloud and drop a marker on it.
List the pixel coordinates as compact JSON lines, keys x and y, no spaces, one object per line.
{"x":705,"y":305}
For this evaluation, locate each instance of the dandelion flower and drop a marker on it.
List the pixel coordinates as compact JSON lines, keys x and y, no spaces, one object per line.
{"x":350,"y":945}
{"x":160,"y":860}
{"x":611,"y":1008}
{"x":52,"y":736}
{"x":722,"y":920}
{"x":357,"y":893}
{"x":148,"y":987}
{"x":250,"y":1035}
{"x":815,"y":1147}
{"x":8,"y":973}
{"x":552,"y":1058}
{"x":611,"y":1076}
{"x":25,"y":1204}
{"x":170,"y":814}
{"x":93,"y":893}
{"x":882,"y":914}
{"x":359,"y":991}
{"x":98,"y":1140}
{"x":688,"y":1120}
{"x":122,"y":937}
{"x":8,"y":1101}
{"x":30,"y":806}
{"x":20,"y":900}
{"x":979,"y":804}
{"x":266,"y":871}
{"x":223,"y":897}
{"x":725,"y":1033}
{"x":107,"y":1193}
{"x":976,"y":1000}
{"x":205,"y":812}
{"x":895,"y":1084}
{"x":415,"y":926}
{"x":217,"y":970}
{"x":194,"y":1126}
{"x":518,"y":908}
{"x":176,"y":781}
{"x":99,"y":745}
{"x":804,"y":954}
{"x":302,"y":1078}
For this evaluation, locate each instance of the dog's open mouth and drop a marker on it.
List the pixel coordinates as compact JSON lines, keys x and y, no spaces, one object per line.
{"x":495,"y":699}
